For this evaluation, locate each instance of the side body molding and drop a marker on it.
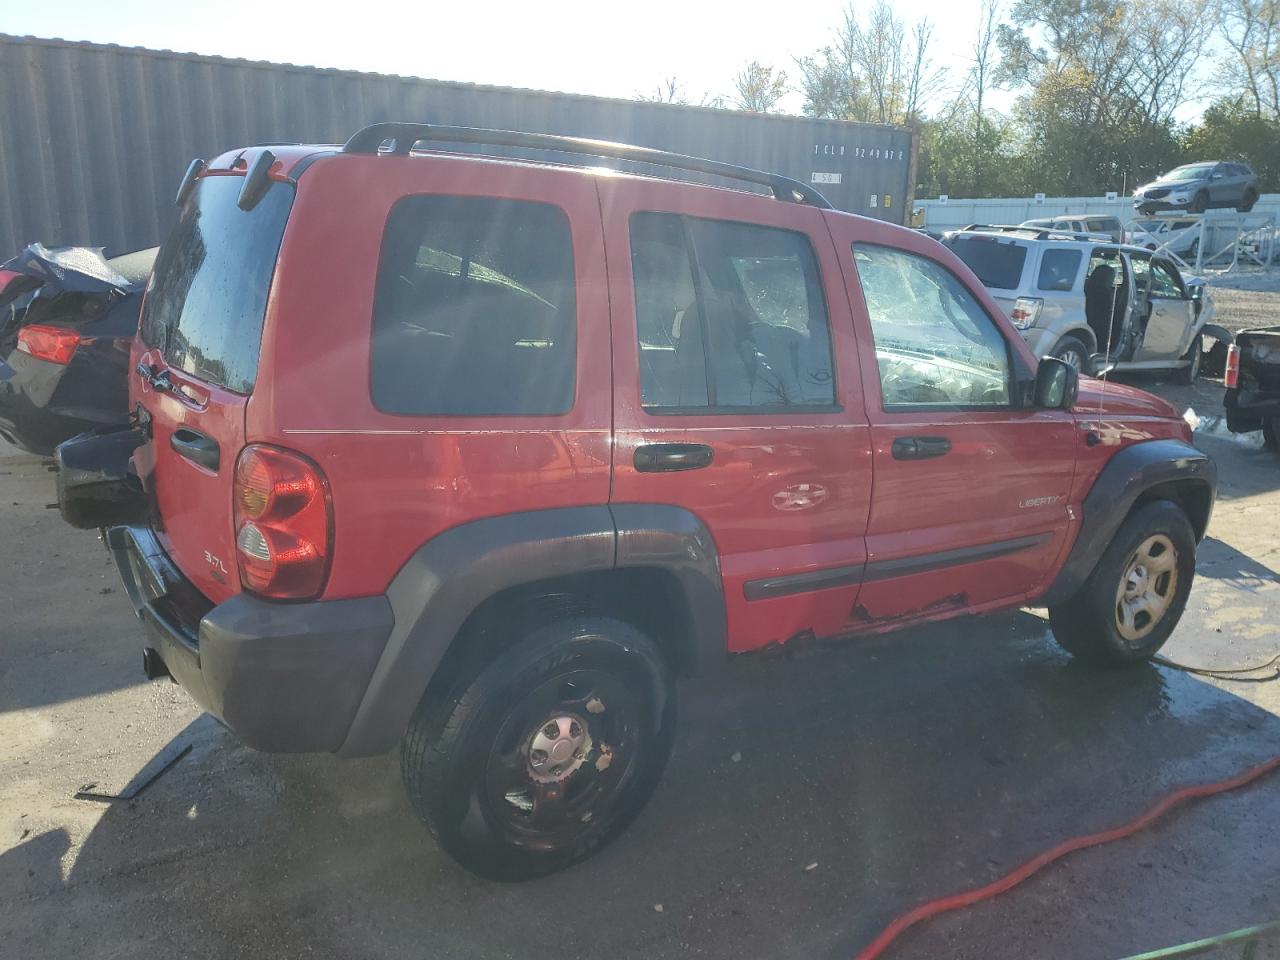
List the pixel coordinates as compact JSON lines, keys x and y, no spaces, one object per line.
{"x":1132,"y":472}
{"x":444,"y":582}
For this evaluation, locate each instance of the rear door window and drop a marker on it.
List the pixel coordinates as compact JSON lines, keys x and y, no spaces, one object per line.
{"x":475,"y":311}
{"x":1058,"y":269}
{"x":997,"y":263}
{"x":208,"y":293}
{"x":729,"y":316}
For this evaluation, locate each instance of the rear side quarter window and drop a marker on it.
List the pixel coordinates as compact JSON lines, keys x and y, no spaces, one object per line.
{"x":1058,"y":269}
{"x":475,"y":312}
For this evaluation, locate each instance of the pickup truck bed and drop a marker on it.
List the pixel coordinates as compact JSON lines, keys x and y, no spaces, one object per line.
{"x":1254,"y":403}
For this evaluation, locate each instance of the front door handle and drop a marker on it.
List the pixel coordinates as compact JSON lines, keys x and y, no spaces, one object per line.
{"x":196,"y":447}
{"x":920,"y":448}
{"x":670,"y":457}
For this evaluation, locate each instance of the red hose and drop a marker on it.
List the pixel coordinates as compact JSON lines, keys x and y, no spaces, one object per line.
{"x":969,"y":897}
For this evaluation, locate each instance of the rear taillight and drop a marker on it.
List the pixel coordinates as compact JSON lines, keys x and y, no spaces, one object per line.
{"x":55,"y":344}
{"x":283,"y":522}
{"x":1231,"y":372}
{"x":1026,"y":311}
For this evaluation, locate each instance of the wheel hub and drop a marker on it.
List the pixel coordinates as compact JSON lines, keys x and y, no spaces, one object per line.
{"x":1147,"y":588}
{"x":558,"y":748}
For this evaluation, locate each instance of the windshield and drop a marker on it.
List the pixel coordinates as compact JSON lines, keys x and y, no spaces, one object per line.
{"x":207,"y":297}
{"x":1198,"y":171}
{"x":997,"y":263}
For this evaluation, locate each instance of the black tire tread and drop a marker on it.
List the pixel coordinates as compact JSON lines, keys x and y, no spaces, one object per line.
{"x":439,"y":727}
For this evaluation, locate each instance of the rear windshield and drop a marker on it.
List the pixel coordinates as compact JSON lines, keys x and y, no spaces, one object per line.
{"x":208,"y":293}
{"x":997,"y":264}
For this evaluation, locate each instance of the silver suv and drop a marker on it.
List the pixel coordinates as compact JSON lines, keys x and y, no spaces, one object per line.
{"x":1089,"y":302}
{"x":1103,"y":228}
{"x":1195,"y":187}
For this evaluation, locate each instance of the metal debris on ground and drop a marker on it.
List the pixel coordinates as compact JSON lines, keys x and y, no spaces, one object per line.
{"x":88,"y":793}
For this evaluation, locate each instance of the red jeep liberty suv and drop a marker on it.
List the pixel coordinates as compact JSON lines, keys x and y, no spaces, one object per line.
{"x":474,"y":454}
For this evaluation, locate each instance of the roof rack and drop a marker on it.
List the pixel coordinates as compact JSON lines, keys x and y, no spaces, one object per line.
{"x":1039,"y":233}
{"x":403,"y":136}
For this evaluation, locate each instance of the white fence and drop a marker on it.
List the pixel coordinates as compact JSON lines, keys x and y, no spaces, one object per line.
{"x":952,"y":213}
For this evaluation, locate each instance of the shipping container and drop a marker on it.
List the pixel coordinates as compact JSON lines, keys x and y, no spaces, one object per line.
{"x":94,"y":138}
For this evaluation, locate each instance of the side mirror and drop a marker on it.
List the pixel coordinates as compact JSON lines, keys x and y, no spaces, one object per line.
{"x":1218,"y":176}
{"x":1057,"y":384}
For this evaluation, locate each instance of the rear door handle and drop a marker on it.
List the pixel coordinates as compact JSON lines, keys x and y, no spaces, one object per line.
{"x":920,"y":448}
{"x":670,"y":457}
{"x":196,"y":447}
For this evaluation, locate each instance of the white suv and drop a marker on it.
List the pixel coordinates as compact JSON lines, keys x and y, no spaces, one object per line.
{"x":1090,"y":302}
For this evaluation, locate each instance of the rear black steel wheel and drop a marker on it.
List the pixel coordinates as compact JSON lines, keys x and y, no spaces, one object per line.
{"x":548,"y":753}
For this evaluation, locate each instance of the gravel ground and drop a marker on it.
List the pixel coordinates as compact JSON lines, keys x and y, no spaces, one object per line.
{"x":1247,"y":298}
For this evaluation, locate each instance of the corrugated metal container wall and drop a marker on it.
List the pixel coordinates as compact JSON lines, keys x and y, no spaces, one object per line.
{"x":93,"y":139}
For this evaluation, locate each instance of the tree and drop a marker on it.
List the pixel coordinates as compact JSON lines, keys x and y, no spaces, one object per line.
{"x":1251,"y":28}
{"x":670,"y":90}
{"x":879,"y":71}
{"x":1104,"y":83}
{"x":758,"y":88}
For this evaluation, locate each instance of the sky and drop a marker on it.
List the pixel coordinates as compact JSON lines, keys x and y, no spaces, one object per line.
{"x":598,"y":48}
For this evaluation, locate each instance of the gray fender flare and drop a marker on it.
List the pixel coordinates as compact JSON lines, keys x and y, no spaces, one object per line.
{"x":1129,"y":474}
{"x":447,"y":578}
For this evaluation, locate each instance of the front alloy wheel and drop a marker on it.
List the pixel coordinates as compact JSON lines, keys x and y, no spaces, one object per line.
{"x":1127,"y":607}
{"x":1147,"y":588}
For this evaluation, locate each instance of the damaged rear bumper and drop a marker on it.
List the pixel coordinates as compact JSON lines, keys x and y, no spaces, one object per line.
{"x":284,"y":677}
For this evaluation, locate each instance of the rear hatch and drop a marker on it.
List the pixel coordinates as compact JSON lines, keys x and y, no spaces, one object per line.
{"x":999,"y":262}
{"x":195,"y":365}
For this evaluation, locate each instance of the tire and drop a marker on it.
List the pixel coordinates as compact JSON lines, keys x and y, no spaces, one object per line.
{"x":1088,"y":625}
{"x":1247,"y":202}
{"x":1271,"y":433}
{"x":1195,"y":354}
{"x":1074,"y":351}
{"x":1201,"y":202}
{"x":592,"y":700}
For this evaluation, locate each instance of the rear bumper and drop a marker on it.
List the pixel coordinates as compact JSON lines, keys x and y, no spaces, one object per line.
{"x":1249,"y":415}
{"x":38,"y":403}
{"x":284,"y":677}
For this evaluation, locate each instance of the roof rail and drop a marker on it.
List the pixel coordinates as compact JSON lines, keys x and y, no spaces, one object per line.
{"x":403,"y":136}
{"x":1039,"y":233}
